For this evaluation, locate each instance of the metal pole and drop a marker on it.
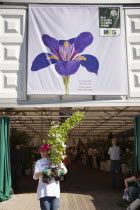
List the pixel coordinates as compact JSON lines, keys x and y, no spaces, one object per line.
{"x":58,"y":116}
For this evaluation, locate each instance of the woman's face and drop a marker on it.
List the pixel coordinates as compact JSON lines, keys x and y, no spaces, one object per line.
{"x":44,"y":154}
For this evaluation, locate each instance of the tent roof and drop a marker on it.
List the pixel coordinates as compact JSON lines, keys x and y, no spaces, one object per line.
{"x":98,"y":121}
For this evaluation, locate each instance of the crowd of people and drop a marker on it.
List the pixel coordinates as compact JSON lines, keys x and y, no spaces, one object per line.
{"x":92,"y":157}
{"x":89,"y":157}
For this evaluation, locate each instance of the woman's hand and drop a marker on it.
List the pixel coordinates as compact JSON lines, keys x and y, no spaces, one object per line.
{"x":59,"y":172}
{"x":126,"y":181}
{"x":126,"y":189}
{"x":37,"y":175}
{"x":47,"y":172}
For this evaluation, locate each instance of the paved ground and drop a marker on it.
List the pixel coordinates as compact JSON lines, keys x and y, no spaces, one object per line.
{"x":83,"y":189}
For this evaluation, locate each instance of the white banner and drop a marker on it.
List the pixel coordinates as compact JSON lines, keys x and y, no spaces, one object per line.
{"x":77,"y":50}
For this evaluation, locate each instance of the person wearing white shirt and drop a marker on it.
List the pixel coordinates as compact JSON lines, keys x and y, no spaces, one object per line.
{"x":47,"y":193}
{"x":115,"y":153}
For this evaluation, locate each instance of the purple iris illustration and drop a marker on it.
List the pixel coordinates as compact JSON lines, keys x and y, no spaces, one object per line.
{"x":65,"y":56}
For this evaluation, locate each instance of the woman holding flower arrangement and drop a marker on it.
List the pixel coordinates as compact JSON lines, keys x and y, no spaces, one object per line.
{"x":51,"y":170}
{"x":48,"y":191}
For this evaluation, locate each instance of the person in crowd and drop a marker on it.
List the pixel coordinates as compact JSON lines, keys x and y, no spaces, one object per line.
{"x":90,"y":160}
{"x":105,"y":153}
{"x":98,"y":158}
{"x":83,"y":157}
{"x":75,"y":153}
{"x":81,"y":154}
{"x":133,"y":191}
{"x":47,"y":193}
{"x":102,"y":154}
{"x":68,"y":158}
{"x":94,"y":152}
{"x":16,"y":167}
{"x":115,"y":153}
{"x":72,"y":154}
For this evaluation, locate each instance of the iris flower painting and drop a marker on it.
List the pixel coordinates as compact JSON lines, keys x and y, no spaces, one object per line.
{"x":65,"y":55}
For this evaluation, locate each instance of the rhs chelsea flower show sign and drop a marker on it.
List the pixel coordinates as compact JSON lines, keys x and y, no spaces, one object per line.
{"x":109,"y":20}
{"x":76,"y":50}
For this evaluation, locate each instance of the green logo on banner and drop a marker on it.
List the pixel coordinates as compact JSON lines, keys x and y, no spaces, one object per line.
{"x":109,"y":21}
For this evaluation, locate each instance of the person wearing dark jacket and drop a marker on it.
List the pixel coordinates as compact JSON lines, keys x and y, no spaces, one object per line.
{"x":16,"y":167}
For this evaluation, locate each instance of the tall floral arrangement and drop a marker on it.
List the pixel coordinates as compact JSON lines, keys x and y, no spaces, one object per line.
{"x":58,"y":136}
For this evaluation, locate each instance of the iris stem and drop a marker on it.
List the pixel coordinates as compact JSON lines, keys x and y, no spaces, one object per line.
{"x":66,"y":83}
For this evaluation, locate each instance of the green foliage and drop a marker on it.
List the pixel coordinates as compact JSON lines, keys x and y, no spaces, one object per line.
{"x":100,"y":144}
{"x":30,"y":155}
{"x":128,"y":159}
{"x":23,"y":139}
{"x":19,"y":138}
{"x":44,"y":141}
{"x":58,"y":136}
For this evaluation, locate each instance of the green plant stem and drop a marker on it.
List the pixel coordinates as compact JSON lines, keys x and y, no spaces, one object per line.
{"x":66,"y":80}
